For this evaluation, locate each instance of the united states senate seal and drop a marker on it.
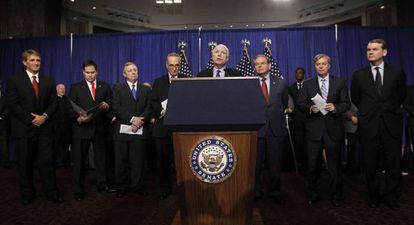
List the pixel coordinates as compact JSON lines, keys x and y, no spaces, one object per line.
{"x":213,"y":159}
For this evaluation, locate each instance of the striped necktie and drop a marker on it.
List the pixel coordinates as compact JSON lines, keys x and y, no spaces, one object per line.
{"x":324,"y":90}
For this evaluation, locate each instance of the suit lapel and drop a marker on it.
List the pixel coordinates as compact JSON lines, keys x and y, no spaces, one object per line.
{"x":316,"y":84}
{"x":129,"y":91}
{"x":386,"y":82}
{"x":85,"y":88}
{"x":331,"y":87}
{"x":370,"y":81}
{"x":28,"y":84}
{"x":273,"y":88}
{"x":139,"y":91}
{"x":41,"y":87}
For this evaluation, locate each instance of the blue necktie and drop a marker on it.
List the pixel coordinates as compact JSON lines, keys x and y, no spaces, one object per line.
{"x":134,"y":92}
{"x":324,"y":90}
{"x":218,"y":73}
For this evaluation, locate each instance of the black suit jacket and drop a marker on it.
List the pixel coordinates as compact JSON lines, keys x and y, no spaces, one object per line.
{"x":373,"y":106}
{"x":278,"y":101}
{"x":61,"y":119}
{"x":4,"y":112}
{"x":22,"y":102}
{"x":159,"y":93}
{"x":125,"y":107}
{"x":316,"y":123}
{"x":79,"y":93}
{"x":409,"y":105}
{"x":228,"y":72}
{"x":298,"y":117}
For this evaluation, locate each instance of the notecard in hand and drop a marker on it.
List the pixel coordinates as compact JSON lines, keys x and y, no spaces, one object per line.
{"x":320,"y":103}
{"x":127,"y":129}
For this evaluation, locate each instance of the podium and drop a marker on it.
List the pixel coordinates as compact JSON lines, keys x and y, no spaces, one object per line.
{"x":214,"y":123}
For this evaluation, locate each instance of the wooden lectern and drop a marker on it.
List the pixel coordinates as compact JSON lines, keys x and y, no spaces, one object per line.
{"x":214,"y":123}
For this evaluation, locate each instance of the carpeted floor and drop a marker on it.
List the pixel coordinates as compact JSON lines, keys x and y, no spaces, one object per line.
{"x":107,"y":209}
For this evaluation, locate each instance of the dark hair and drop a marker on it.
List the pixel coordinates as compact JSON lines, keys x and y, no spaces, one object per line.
{"x":300,"y":68}
{"x":379,"y":41}
{"x":89,"y":62}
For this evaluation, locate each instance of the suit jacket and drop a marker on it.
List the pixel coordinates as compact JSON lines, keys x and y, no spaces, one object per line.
{"x":409,"y":105}
{"x":374,"y":107}
{"x":159,"y":93}
{"x":316,"y":123}
{"x":228,"y":72}
{"x":125,"y":107}
{"x":61,"y":120}
{"x":22,"y":102}
{"x":278,"y":101}
{"x":79,"y":93}
{"x":298,"y":117}
{"x":4,"y":112}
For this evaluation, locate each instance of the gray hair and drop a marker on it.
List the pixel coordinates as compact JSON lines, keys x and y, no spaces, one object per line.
{"x":321,"y":55}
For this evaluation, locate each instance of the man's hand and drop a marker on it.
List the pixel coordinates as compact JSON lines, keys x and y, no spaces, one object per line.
{"x":38,"y":120}
{"x":354,"y":120}
{"x":84,"y":118}
{"x":103,"y":106}
{"x":330,"y":107}
{"x":137,"y":121}
{"x":162,"y":113}
{"x":314,"y":109}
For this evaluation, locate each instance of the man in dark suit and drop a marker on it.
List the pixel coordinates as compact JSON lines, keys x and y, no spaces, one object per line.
{"x":220,"y":56}
{"x":31,"y":101}
{"x":89,"y":128}
{"x":298,"y":120}
{"x":62,"y":128}
{"x":324,"y":127}
{"x":272,"y":136}
{"x":132,"y":109}
{"x":163,"y":138}
{"x":378,"y":91}
{"x":4,"y":131}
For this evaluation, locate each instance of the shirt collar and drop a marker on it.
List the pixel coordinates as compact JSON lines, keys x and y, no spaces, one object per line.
{"x":89,"y":83}
{"x":130,"y":84}
{"x":326,"y":78}
{"x":30,"y":74}
{"x":381,"y":66}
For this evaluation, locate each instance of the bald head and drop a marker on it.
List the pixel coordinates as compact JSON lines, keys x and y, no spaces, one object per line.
{"x":60,"y":89}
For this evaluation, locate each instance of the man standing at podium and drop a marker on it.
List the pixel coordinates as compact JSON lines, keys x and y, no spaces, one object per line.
{"x":271,"y":137}
{"x":163,"y":138}
{"x":220,"y":55}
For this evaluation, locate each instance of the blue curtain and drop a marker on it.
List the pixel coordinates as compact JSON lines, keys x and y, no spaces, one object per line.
{"x":55,"y":55}
{"x":352,"y":44}
{"x":291,"y":48}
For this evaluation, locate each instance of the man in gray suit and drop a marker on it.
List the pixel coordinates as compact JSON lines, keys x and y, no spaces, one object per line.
{"x":271,"y":137}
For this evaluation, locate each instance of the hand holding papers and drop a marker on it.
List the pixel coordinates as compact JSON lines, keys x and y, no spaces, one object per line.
{"x":164,"y":108}
{"x":127,"y":129}
{"x":320,"y":103}
{"x":83,"y":112}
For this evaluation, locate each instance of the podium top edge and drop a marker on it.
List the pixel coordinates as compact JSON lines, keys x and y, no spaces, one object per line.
{"x":215,"y":78}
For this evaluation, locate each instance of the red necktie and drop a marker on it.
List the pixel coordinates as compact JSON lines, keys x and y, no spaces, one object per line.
{"x":265,"y":91}
{"x":35,"y":86}
{"x":93,"y":90}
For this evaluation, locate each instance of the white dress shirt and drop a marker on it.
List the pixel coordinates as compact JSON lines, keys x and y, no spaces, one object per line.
{"x":381,"y":69}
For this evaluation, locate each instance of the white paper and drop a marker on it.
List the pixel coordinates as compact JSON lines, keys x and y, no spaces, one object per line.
{"x":127,"y":129}
{"x":320,"y":103}
{"x":164,"y":104}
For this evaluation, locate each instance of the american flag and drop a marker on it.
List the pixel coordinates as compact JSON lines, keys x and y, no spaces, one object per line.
{"x":275,"y":71}
{"x":184,"y":66}
{"x":210,"y":63}
{"x":244,"y":65}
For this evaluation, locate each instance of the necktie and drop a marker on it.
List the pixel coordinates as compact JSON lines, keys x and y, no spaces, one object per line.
{"x":265,"y":90}
{"x":324,"y":90}
{"x":218,"y":73}
{"x":93,"y":90}
{"x":378,"y":82}
{"x":134,"y":92}
{"x":299,"y":86}
{"x":35,"y":86}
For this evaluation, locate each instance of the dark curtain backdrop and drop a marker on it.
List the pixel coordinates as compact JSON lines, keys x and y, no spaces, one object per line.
{"x":291,"y":48}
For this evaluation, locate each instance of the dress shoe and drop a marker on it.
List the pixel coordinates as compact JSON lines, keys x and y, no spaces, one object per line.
{"x":106,"y":189}
{"x":392,"y":204}
{"x":165,"y":195}
{"x":55,"y":199}
{"x":27,"y":201}
{"x":313,"y":199}
{"x":141,"y":192}
{"x":278,"y":200}
{"x":79,"y":196}
{"x":336,"y":202}
{"x":121,"y":194}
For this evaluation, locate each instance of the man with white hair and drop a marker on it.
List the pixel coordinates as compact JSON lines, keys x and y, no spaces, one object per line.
{"x":220,"y":55}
